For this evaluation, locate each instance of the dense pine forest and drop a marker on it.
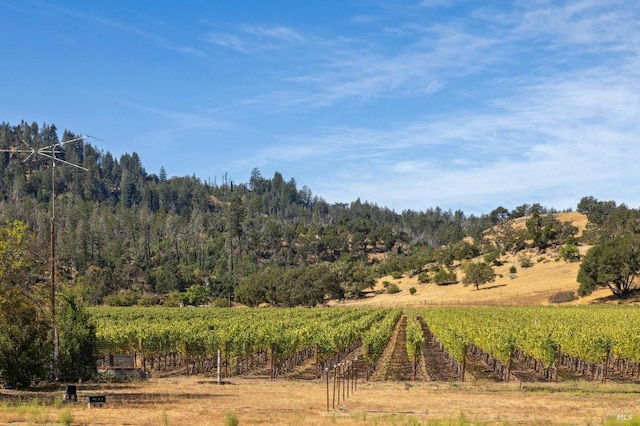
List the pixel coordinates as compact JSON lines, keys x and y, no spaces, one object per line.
{"x":126,"y":236}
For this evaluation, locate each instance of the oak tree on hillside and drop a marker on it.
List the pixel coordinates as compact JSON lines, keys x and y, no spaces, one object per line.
{"x":478,"y":274}
{"x":614,"y":263}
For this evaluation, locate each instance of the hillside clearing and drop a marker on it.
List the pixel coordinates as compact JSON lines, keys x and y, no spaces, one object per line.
{"x":534,"y":285}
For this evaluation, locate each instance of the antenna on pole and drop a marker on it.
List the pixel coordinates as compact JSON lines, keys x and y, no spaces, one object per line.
{"x":50,"y":152}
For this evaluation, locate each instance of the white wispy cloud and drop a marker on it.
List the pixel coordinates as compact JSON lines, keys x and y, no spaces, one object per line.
{"x":124,"y":27}
{"x":278,"y":32}
{"x":586,"y":22}
{"x":436,"y":3}
{"x":183,"y":120}
{"x":440,"y":102}
{"x":254,"y":40}
{"x":560,"y":136}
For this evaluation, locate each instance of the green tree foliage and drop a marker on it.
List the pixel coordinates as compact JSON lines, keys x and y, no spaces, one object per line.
{"x":478,"y":274}
{"x":25,"y":344}
{"x":15,"y":257}
{"x":392,"y":288}
{"x":77,"y":335}
{"x":569,"y":253}
{"x":614,"y":263}
{"x":122,"y":229}
{"x":492,"y":258}
{"x":197,"y":295}
{"x":444,"y":276}
{"x":506,"y":238}
{"x":545,"y":230}
{"x":597,"y":211}
{"x":292,"y":287}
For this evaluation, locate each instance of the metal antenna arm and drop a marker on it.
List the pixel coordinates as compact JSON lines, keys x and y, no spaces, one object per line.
{"x":60,"y":144}
{"x":58,"y":160}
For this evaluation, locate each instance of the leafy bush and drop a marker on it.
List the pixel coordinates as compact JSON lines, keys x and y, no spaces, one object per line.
{"x":221,"y":302}
{"x":562,"y":297}
{"x":444,"y":276}
{"x":464,"y":250}
{"x":569,"y":253}
{"x":122,"y":298}
{"x":393,"y":288}
{"x":492,"y":258}
{"x":396,"y":275}
{"x":525,"y":260}
{"x":175,"y":299}
{"x":424,"y":277}
{"x":148,"y":300}
{"x":513,"y":269}
{"x":197,"y":295}
{"x":25,"y":345}
{"x":78,"y":341}
{"x":412,"y":290}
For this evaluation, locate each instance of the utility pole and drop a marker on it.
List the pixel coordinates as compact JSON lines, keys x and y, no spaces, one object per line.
{"x":50,"y":152}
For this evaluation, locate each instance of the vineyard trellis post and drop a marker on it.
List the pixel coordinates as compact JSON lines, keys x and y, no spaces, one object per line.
{"x":327,"y":374}
{"x":333,"y":402}
{"x":343,"y":374}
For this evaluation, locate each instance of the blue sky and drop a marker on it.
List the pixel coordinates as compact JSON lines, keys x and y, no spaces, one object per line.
{"x":459,"y":104}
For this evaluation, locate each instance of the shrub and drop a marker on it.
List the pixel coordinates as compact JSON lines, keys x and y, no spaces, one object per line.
{"x":569,"y":253}
{"x":424,"y":277}
{"x":197,"y":295}
{"x":562,"y":297}
{"x":492,"y":258}
{"x":412,"y":290}
{"x":396,"y":275}
{"x":148,"y":300}
{"x":385,"y":284}
{"x":513,"y":269}
{"x":230,"y":419}
{"x":393,"y":288}
{"x":78,"y":342}
{"x":122,"y":298}
{"x":444,"y":277}
{"x":175,"y":299}
{"x":25,"y":347}
{"x":221,"y":302}
{"x":525,"y":261}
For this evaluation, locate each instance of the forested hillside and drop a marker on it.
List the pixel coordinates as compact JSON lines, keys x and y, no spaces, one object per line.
{"x":127,"y":236}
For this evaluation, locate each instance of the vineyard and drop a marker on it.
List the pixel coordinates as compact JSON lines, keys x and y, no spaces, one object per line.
{"x":243,"y":340}
{"x":499,"y":343}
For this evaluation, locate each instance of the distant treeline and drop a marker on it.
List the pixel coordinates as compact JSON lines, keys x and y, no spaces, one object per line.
{"x":128,"y":236}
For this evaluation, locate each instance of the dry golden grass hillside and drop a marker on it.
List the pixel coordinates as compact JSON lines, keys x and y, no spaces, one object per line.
{"x":547,"y":276}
